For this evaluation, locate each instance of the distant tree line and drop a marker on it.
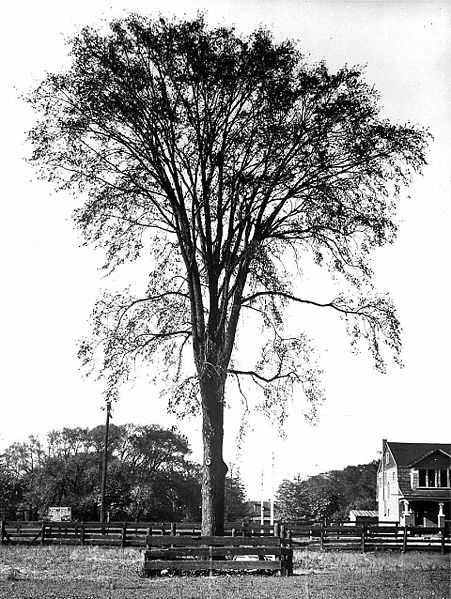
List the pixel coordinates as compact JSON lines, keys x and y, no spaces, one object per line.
{"x":329,"y":495}
{"x":150,"y":476}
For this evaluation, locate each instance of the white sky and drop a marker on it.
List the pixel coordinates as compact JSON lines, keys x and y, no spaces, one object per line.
{"x":50,"y":283}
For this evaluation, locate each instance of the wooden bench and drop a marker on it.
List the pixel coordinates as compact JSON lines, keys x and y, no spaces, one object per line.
{"x":179,"y":554}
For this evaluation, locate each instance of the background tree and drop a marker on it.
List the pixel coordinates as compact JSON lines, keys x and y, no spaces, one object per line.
{"x":150,"y":476}
{"x":292,"y":501}
{"x":153,"y":476}
{"x":356,"y":487}
{"x":235,"y":499}
{"x":228,"y":164}
{"x":328,"y":495}
{"x":11,"y":494}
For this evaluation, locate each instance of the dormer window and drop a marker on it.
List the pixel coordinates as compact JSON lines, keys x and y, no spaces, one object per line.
{"x":444,"y":478}
{"x":431,"y":478}
{"x":387,"y":458}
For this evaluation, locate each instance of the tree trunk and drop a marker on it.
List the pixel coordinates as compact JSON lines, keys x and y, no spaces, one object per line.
{"x":103,"y":510}
{"x":214,"y":468}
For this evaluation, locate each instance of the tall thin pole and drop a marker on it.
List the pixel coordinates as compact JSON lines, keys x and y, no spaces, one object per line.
{"x":262,"y":504}
{"x":272,"y":491}
{"x":105,"y":465}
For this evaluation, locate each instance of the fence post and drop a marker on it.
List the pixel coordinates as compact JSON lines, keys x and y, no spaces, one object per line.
{"x":43,"y":532}
{"x":321,"y":537}
{"x":82,"y":533}
{"x":364,"y":531}
{"x":2,"y":532}
{"x":243,"y":529}
{"x":404,"y":540}
{"x":124,"y":534}
{"x":288,"y":559}
{"x":442,"y":530}
{"x":173,"y":529}
{"x":276,"y":529}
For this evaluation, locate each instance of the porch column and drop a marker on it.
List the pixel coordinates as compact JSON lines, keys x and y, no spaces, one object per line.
{"x":441,"y":515}
{"x":407,"y":515}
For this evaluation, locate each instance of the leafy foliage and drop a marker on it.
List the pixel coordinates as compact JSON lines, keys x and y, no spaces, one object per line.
{"x":224,"y":153}
{"x":227,"y":164}
{"x":310,"y":499}
{"x":356,"y":487}
{"x":149,"y":475}
{"x":235,"y":499}
{"x":329,"y":495}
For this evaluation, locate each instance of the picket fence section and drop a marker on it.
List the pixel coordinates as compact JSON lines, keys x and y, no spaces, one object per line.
{"x":133,"y":534}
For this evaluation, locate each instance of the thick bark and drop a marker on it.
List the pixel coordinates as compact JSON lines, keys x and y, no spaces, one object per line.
{"x":212,"y":368}
{"x":214,"y":468}
{"x":103,"y":511}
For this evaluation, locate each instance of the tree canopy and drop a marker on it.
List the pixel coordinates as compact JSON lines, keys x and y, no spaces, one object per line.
{"x":150,"y":475}
{"x":226,"y":163}
{"x":328,"y":495}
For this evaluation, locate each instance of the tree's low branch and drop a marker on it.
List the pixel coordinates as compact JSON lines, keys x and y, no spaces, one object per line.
{"x":166,"y":335}
{"x":256,"y":375}
{"x":136,"y":222}
{"x":147,"y":299}
{"x":342,"y":309}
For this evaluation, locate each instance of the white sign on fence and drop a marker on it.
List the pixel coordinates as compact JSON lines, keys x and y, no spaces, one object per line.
{"x":60,"y":514}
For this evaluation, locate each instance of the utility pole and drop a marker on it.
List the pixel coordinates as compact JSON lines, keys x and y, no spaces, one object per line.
{"x":272,"y":491}
{"x":262,"y":503}
{"x":105,"y":465}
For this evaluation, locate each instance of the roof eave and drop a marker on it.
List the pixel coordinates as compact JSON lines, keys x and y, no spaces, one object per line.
{"x":423,"y":457}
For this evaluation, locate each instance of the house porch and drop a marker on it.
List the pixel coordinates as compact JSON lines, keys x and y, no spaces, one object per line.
{"x":425,"y":513}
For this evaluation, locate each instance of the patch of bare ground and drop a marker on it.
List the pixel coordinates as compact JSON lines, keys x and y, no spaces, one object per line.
{"x":94,"y":573}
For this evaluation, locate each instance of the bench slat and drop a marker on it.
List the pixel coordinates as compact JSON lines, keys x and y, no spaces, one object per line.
{"x":214,"y":551}
{"x":185,"y":541}
{"x":192,"y":564}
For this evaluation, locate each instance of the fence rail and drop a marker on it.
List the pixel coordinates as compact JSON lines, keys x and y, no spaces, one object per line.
{"x":355,"y":537}
{"x":131,"y":534}
{"x":183,"y":553}
{"x":373,"y":537}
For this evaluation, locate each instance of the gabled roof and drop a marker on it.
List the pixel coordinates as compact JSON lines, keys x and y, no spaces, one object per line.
{"x":406,"y":454}
{"x":429,"y":453}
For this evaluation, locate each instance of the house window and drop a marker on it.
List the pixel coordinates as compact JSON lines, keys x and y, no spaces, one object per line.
{"x":443,"y":478}
{"x":431,"y":478}
{"x":422,"y":478}
{"x":387,"y":457}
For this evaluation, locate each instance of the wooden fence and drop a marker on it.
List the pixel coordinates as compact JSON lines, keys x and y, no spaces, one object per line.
{"x":133,"y":534}
{"x":372,"y":537}
{"x":187,"y":553}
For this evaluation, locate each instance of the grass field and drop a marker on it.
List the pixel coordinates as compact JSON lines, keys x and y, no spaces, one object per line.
{"x":91,"y":573}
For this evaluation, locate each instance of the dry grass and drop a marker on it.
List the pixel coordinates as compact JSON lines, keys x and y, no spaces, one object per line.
{"x":94,"y":573}
{"x":308,"y":560}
